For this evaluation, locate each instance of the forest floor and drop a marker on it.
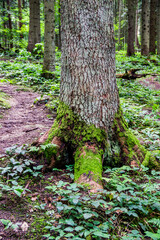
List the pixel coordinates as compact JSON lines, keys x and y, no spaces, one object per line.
{"x":24,"y":121}
{"x":36,"y":205}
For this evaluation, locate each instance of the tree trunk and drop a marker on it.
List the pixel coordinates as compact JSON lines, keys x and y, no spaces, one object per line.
{"x":119,"y":29}
{"x":145,"y":27}
{"x":20,"y":17}
{"x":4,"y":25}
{"x":49,"y":39}
{"x":131,"y":26}
{"x":58,"y":25}
{"x":10,"y":25}
{"x":136,"y":26}
{"x":89,"y":120}
{"x":152,"y":42}
{"x":34,"y":24}
{"x":158,"y":28}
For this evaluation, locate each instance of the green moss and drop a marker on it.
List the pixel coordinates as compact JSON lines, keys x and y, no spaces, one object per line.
{"x":71,"y":129}
{"x":146,"y":159}
{"x":88,"y":162}
{"x":132,"y":149}
{"x":4,"y":103}
{"x":49,"y":150}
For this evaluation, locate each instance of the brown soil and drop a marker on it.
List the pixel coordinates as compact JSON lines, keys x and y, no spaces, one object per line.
{"x":150,"y":82}
{"x":24,"y":121}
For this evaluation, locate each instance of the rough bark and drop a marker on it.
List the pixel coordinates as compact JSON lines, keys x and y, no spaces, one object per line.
{"x":131,"y":26}
{"x":158,"y":27}
{"x":89,"y":120}
{"x":152,"y":38}
{"x":34,"y":24}
{"x":49,"y":39}
{"x":145,"y":27}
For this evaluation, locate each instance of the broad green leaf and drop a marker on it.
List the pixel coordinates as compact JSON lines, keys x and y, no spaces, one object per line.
{"x":69,"y":222}
{"x":101,"y":234}
{"x":87,"y":215}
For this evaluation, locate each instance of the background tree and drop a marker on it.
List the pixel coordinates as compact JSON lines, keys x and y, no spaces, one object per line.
{"x":57,"y":24}
{"x":145,"y":27}
{"x":137,"y":25}
{"x":89,"y":119}
{"x":158,"y":27}
{"x":152,"y":33}
{"x":49,"y":39}
{"x":131,"y":26}
{"x":119,"y":29}
{"x":20,"y":16}
{"x":34,"y":24}
{"x":10,"y":25}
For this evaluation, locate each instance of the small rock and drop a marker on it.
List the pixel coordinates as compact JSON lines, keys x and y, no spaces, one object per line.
{"x":24,"y":226}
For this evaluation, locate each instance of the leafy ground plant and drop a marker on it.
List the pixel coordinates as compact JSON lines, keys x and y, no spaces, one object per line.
{"x":56,"y":208}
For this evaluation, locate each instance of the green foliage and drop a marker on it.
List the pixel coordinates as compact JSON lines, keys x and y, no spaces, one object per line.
{"x":121,"y":211}
{"x":38,"y":51}
{"x":8,"y":224}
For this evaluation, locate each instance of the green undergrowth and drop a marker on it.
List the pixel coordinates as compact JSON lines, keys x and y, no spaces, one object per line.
{"x":145,"y":64}
{"x":54,"y":207}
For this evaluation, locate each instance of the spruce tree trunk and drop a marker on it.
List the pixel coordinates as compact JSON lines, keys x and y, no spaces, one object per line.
{"x":158,"y":28}
{"x":152,"y":38}
{"x":136,"y":26}
{"x":49,"y":39}
{"x":145,"y":27}
{"x":89,"y":120}
{"x":34,"y":24}
{"x":119,"y":30}
{"x":131,"y":26}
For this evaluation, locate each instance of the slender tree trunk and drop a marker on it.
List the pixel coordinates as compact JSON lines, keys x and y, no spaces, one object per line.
{"x":23,"y":3}
{"x":152,"y":42}
{"x":49,"y":38}
{"x":10,"y":25}
{"x":158,"y":28}
{"x":34,"y":24}
{"x":131,"y":26}
{"x":145,"y":27}
{"x":119,"y":29}
{"x":20,"y":17}
{"x":89,"y":120}
{"x":4,"y":25}
{"x":136,"y":27}
{"x":58,"y":34}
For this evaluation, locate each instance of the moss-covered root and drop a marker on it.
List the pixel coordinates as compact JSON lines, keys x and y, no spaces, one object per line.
{"x":132,"y":152}
{"x":88,"y":166}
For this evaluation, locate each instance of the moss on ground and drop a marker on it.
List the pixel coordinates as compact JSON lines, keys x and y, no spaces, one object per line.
{"x":4,"y":102}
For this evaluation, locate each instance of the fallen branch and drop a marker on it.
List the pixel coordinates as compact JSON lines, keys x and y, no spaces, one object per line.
{"x":131,"y":74}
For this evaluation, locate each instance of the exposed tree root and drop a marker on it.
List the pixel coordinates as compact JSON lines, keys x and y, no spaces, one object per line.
{"x":88,"y":144}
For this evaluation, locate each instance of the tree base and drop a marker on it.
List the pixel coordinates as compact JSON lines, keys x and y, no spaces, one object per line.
{"x":88,"y":146}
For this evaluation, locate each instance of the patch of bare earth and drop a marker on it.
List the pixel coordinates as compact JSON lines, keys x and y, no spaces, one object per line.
{"x":24,"y":121}
{"x":150,"y":82}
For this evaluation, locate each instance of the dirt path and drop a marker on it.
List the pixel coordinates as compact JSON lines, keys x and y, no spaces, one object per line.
{"x":24,"y":121}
